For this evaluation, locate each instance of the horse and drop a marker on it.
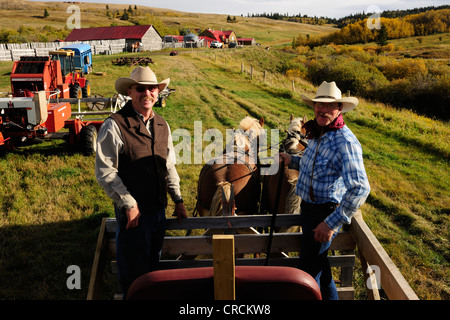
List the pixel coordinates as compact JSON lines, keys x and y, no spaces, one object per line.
{"x":134,"y":47}
{"x":230,"y":184}
{"x":288,"y":203}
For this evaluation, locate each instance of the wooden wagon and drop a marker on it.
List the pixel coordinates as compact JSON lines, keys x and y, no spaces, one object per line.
{"x":377,"y":267}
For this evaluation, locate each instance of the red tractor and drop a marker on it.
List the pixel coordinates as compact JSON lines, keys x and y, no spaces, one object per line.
{"x":49,"y":73}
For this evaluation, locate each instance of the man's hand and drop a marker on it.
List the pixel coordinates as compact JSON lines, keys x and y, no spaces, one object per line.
{"x":180,"y":211}
{"x":133,"y":215}
{"x":323,"y":233}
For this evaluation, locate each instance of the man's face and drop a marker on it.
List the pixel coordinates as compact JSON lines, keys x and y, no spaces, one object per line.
{"x":143,"y":96}
{"x":326,"y":112}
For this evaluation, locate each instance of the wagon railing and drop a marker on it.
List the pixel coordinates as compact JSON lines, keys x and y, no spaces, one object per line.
{"x":179,"y":251}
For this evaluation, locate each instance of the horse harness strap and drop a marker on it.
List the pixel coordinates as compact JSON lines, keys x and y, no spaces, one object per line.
{"x":252,"y":172}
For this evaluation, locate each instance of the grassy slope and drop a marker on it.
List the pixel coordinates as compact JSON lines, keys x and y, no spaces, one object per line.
{"x":50,"y":225}
{"x":265,"y":31}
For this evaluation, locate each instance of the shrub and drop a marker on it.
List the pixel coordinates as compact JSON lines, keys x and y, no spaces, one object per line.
{"x":350,"y":75}
{"x":405,"y":68}
{"x":425,"y":94}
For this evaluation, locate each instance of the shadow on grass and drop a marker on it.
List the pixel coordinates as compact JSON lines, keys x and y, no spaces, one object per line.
{"x":34,"y":258}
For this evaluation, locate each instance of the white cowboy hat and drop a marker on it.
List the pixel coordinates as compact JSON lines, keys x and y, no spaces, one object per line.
{"x":329,"y":92}
{"x":140,"y":75}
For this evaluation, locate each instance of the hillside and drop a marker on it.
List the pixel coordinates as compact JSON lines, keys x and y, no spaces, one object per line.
{"x":29,"y":14}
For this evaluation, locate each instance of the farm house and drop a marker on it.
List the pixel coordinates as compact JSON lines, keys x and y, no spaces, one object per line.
{"x":218,"y":35}
{"x":147,"y":35}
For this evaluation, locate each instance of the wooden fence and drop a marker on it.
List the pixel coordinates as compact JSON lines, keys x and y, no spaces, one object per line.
{"x":13,"y":51}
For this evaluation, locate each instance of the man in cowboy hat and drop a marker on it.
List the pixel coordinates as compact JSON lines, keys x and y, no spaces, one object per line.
{"x":332,"y":181}
{"x":135,"y":165}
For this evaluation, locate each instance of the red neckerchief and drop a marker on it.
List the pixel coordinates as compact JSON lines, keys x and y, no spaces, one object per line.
{"x":313,"y":130}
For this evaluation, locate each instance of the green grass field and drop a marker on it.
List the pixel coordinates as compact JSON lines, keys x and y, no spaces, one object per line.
{"x":51,"y":205}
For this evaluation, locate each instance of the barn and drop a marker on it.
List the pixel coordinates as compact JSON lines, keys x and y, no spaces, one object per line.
{"x":246,"y":41}
{"x":146,"y":34}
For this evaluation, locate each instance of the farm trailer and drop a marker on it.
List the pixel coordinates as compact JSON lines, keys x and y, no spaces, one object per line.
{"x":28,"y":118}
{"x":179,"y":250}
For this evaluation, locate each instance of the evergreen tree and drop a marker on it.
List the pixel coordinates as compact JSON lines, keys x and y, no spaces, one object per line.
{"x":382,"y":36}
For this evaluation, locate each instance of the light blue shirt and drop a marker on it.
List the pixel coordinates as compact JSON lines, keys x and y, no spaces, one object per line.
{"x":339,"y":175}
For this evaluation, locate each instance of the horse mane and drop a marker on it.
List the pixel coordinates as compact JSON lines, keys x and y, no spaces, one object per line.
{"x":289,"y":145}
{"x":295,"y":125}
{"x":249,"y":123}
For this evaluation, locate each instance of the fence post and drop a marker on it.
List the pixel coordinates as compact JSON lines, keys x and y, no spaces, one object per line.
{"x":223,"y":262}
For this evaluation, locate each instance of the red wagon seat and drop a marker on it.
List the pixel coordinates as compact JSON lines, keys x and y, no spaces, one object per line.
{"x":252,"y":282}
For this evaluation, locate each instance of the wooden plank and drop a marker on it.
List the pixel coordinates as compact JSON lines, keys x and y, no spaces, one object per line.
{"x":255,"y":221}
{"x":372,"y":289}
{"x":223,"y":262}
{"x":282,"y":242}
{"x":98,"y":264}
{"x":335,"y":261}
{"x":392,"y":281}
{"x":346,"y":293}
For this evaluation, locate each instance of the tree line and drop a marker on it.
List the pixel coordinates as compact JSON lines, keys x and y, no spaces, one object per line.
{"x":422,"y":24}
{"x":344,"y":21}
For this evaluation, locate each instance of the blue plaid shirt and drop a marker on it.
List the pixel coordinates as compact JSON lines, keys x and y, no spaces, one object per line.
{"x":339,"y":175}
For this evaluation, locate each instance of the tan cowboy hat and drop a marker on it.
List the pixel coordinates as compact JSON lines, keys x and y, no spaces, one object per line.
{"x":140,"y":75}
{"x":329,"y":92}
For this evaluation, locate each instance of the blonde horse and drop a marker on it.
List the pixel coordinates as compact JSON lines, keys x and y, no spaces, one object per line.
{"x":289,"y":203}
{"x":230,"y":184}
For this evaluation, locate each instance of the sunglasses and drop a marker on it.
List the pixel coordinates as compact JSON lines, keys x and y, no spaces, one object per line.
{"x":142,"y":88}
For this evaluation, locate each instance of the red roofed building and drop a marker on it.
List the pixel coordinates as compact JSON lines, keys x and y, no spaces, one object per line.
{"x":246,"y":41}
{"x":147,"y":35}
{"x":218,"y":35}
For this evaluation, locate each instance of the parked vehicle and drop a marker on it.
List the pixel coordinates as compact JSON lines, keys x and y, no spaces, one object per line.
{"x":232,"y":45}
{"x":82,"y":58}
{"x":216,"y":44}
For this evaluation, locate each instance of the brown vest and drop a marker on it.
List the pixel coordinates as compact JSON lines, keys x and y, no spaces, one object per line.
{"x":142,"y":165}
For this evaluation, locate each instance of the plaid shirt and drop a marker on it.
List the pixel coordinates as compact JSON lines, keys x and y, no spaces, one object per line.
{"x":339,"y":175}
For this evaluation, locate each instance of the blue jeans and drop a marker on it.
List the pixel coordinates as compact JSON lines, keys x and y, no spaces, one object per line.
{"x":313,"y":255}
{"x":138,"y":250}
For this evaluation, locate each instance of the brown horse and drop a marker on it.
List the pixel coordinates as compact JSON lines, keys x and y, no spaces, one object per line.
{"x":230,"y":184}
{"x":289,"y":203}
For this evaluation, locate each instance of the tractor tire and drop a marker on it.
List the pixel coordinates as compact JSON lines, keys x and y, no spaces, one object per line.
{"x":75,"y":91}
{"x":86,"y":91}
{"x":88,"y":140}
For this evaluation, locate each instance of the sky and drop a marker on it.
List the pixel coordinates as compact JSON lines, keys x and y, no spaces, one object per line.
{"x":326,"y":8}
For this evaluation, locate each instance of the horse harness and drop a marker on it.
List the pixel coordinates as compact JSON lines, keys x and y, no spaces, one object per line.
{"x":253,"y":171}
